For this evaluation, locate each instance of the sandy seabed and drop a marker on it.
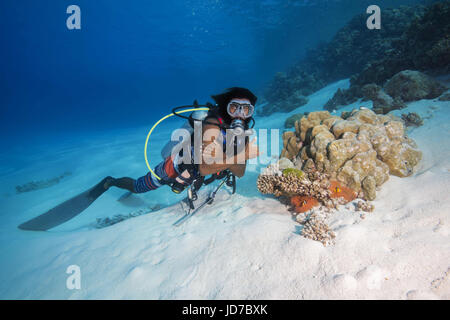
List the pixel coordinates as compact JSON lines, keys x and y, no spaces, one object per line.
{"x":244,"y":246}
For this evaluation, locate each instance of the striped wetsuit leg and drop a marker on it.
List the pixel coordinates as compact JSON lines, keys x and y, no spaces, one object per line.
{"x":166,"y":170}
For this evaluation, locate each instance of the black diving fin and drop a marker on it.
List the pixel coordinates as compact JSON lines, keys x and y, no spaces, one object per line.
{"x":66,"y":210}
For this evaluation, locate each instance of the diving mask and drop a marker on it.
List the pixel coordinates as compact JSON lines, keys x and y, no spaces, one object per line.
{"x":236,"y":109}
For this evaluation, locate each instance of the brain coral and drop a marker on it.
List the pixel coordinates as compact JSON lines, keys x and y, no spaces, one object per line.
{"x":359,"y":152}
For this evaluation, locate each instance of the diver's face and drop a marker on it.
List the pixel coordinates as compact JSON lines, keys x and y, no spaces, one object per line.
{"x":239,"y":108}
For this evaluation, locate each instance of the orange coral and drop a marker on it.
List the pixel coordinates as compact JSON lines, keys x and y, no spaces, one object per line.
{"x":303,"y":203}
{"x":338,"y":190}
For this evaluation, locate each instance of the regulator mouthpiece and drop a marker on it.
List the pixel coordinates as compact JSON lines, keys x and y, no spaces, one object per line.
{"x":238,"y":127}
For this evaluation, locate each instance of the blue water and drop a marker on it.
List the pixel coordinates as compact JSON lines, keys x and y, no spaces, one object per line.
{"x":82,"y":101}
{"x":133,"y":60}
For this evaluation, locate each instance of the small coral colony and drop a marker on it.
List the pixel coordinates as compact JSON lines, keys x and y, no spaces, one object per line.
{"x":330,"y":161}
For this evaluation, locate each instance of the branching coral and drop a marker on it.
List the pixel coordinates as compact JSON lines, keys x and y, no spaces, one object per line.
{"x":306,"y":190}
{"x":312,"y":184}
{"x":315,"y":228}
{"x":364,"y":206}
{"x":289,"y":185}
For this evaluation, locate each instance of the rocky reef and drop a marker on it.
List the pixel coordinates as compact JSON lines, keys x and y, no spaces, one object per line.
{"x":342,"y":98}
{"x":405,"y":86}
{"x":412,"y":119}
{"x":329,"y":160}
{"x":411,"y":85}
{"x":423,"y":46}
{"x":290,"y":122}
{"x":382,"y":102}
{"x":289,"y":99}
{"x":445,"y":97}
{"x":347,"y":54}
{"x":411,"y":38}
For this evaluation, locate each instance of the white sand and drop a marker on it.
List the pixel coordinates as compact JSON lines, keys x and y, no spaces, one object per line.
{"x":242,"y":247}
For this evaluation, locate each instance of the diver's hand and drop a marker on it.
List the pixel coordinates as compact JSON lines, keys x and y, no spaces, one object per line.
{"x":209,"y":152}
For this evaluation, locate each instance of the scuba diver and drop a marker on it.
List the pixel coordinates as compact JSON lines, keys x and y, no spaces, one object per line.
{"x":234,"y":110}
{"x":222,"y":155}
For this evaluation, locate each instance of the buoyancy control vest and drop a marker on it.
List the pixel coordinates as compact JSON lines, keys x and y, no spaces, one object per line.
{"x":183,"y":139}
{"x":185,"y":134}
